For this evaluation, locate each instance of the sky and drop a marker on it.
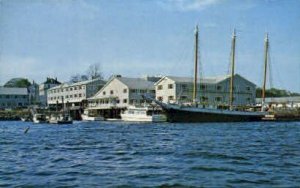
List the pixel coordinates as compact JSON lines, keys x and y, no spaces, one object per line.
{"x":134,"y":38}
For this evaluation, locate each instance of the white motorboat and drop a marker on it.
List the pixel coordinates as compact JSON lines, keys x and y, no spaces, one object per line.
{"x":86,"y":117}
{"x":39,"y":118}
{"x":143,"y":114}
{"x":60,"y":119}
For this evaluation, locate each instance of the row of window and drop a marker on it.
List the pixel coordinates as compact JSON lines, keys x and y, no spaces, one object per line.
{"x":68,"y":96}
{"x":13,"y":104}
{"x":125,"y":101}
{"x":13,"y":96}
{"x":217,"y":99}
{"x":131,"y":90}
{"x":67,"y":89}
{"x":202,"y":87}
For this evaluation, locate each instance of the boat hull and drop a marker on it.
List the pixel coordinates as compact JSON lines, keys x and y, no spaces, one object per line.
{"x":178,"y":115}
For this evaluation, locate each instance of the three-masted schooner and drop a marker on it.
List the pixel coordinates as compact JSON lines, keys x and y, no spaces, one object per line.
{"x":196,"y":113}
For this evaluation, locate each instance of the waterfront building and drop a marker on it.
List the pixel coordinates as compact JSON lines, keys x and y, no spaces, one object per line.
{"x":33,"y":93}
{"x":212,"y":91}
{"x":119,"y":93}
{"x":11,"y":97}
{"x":73,"y":95}
{"x":281,"y":102}
{"x":43,"y":89}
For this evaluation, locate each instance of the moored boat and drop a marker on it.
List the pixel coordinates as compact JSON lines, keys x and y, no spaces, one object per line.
{"x":143,"y":114}
{"x":195,"y":112}
{"x":87,"y":117}
{"x":39,"y":118}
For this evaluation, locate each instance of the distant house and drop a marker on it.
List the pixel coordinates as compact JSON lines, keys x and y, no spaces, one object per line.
{"x":43,"y":89}
{"x":13,"y":97}
{"x":33,"y":93}
{"x":281,"y":102}
{"x":212,"y":91}
{"x":119,"y":93}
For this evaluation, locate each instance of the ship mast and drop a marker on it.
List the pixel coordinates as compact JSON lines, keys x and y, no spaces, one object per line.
{"x":265,"y":70}
{"x":196,"y":66}
{"x":232,"y":70}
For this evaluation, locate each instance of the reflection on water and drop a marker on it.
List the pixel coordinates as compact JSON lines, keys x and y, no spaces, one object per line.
{"x":110,"y":154}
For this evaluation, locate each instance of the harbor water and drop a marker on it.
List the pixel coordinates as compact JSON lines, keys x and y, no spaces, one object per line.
{"x":112,"y":154}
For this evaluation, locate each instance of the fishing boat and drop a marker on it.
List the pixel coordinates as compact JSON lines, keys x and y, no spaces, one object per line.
{"x":143,"y":114}
{"x":39,"y":118}
{"x":87,"y":117}
{"x":195,"y":112}
{"x":60,"y":119}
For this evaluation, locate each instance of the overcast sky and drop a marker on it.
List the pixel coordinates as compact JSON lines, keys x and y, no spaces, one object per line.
{"x":59,"y":38}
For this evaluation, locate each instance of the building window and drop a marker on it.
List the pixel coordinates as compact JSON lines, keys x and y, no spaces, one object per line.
{"x":104,"y":93}
{"x":71,"y":96}
{"x":133,"y":91}
{"x":124,"y":100}
{"x":183,"y":97}
{"x":66,"y":96}
{"x":160,"y":98}
{"x":184,"y":87}
{"x":111,"y":92}
{"x":219,"y":88}
{"x":171,"y":98}
{"x":71,"y":89}
{"x":75,"y":95}
{"x":218,"y":99}
{"x":248,"y":88}
{"x":80,"y":95}
{"x":204,"y":99}
{"x":159,"y":87}
{"x":170,"y":86}
{"x":80,"y":87}
{"x":202,"y":86}
{"x":124,"y":90}
{"x":248,"y":99}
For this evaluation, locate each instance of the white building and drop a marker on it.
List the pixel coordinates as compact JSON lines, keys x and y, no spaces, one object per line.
{"x":281,"y":102}
{"x":212,"y":91}
{"x":13,"y":97}
{"x":73,"y":94}
{"x":43,"y":89}
{"x":118,"y":93}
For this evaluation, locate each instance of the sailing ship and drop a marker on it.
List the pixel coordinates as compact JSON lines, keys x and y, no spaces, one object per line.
{"x":196,"y":113}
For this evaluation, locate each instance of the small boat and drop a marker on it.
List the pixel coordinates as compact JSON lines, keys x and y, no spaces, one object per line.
{"x":143,"y":114}
{"x":26,"y":119}
{"x":87,"y":117}
{"x":60,"y":119}
{"x":39,"y":118}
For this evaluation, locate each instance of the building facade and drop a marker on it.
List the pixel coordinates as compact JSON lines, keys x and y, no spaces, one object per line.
{"x":43,"y":90}
{"x":74,"y":94}
{"x":213,"y":91}
{"x":119,"y":93}
{"x":281,"y":102}
{"x":13,"y":97}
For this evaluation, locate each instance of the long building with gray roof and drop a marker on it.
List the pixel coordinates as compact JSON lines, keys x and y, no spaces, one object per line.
{"x":13,"y":97}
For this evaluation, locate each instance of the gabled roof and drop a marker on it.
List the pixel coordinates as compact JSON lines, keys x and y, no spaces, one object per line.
{"x":136,"y":83}
{"x":131,"y":83}
{"x":207,"y":80}
{"x":13,"y":91}
{"x":76,"y":84}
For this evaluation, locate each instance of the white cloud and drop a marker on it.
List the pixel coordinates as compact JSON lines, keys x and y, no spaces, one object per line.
{"x":188,"y":5}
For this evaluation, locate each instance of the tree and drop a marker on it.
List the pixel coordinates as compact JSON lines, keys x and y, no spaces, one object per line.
{"x":78,"y":78}
{"x":94,"y":71}
{"x":18,"y":82}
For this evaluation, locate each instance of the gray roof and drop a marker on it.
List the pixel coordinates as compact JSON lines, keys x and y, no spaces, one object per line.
{"x":136,"y":83}
{"x":279,"y":100}
{"x":207,"y":80}
{"x":13,"y":91}
{"x":76,"y":84}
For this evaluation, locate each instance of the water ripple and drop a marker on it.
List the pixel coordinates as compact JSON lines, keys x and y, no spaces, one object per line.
{"x":89,"y":154}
